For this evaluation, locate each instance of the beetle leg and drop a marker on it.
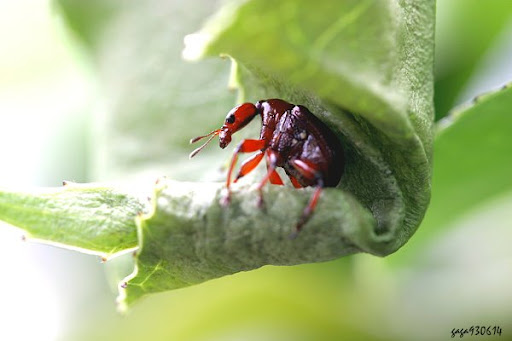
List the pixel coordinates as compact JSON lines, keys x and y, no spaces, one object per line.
{"x":246,"y":146}
{"x":308,"y":171}
{"x":272,"y":162}
{"x":274,"y":178}
{"x":306,"y":214}
{"x":295,"y":182}
{"x":249,"y":165}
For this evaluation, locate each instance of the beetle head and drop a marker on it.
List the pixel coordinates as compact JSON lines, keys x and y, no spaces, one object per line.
{"x":236,"y":119}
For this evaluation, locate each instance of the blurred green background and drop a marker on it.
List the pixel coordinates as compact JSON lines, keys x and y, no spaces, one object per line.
{"x":64,"y":65}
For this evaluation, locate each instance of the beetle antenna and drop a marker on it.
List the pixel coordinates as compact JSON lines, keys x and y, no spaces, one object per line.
{"x":195,"y":139}
{"x":197,"y":150}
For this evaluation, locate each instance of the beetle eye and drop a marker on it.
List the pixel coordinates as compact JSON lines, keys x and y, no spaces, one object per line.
{"x":230,"y":119}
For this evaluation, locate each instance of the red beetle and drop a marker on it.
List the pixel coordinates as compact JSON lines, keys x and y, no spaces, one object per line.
{"x":291,"y":137}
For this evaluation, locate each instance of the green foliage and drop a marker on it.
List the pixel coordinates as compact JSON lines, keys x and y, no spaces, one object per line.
{"x":91,"y":218}
{"x":380,"y":54}
{"x":365,"y":68}
{"x":477,"y":136}
{"x":156,"y":100}
{"x":461,"y":43}
{"x":190,"y":237}
{"x":387,"y":144}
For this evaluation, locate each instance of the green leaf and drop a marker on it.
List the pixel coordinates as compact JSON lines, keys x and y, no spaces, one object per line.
{"x":153,"y":100}
{"x":458,"y":32}
{"x":365,"y":68}
{"x":372,"y":59}
{"x":90,"y":218}
{"x":384,"y":193}
{"x":477,"y":137}
{"x":357,"y":54}
{"x":190,"y":237}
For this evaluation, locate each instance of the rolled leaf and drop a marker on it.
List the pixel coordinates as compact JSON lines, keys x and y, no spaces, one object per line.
{"x":362,"y":67}
{"x":365,"y":68}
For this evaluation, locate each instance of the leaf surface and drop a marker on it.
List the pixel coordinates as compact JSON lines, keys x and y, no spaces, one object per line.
{"x":477,"y":137}
{"x":90,"y":218}
{"x":363,"y":67}
{"x":380,"y":106}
